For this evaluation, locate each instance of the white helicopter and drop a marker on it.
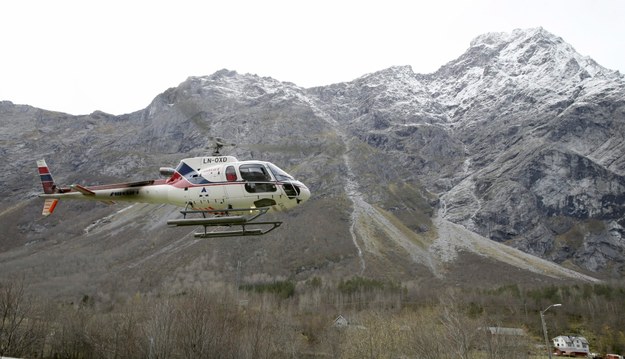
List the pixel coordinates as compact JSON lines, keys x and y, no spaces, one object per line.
{"x":221,"y":190}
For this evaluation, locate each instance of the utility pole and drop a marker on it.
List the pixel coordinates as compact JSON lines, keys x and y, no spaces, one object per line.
{"x":542,"y":319}
{"x":238,"y":280}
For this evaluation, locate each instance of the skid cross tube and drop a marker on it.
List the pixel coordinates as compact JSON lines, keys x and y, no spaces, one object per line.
{"x":241,"y":232}
{"x":223,"y":218}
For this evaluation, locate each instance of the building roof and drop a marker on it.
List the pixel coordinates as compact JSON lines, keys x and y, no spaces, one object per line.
{"x":505,"y":331}
{"x":571,"y":338}
{"x":340,"y":322}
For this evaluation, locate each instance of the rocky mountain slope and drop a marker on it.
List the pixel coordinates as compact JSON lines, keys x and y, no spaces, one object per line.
{"x":469,"y":176}
{"x":520,"y":138}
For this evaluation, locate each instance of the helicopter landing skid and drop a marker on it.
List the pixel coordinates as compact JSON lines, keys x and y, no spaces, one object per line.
{"x":241,"y":218}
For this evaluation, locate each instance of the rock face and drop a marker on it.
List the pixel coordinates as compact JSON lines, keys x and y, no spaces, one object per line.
{"x":519,"y":140}
{"x":544,"y":132}
{"x":516,"y":134}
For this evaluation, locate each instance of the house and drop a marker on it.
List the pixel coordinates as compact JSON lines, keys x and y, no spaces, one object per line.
{"x":569,"y":345}
{"x":340,"y":322}
{"x":501,"y":342}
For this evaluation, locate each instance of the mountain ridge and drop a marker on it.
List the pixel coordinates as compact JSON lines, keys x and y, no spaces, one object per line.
{"x":390,"y":157}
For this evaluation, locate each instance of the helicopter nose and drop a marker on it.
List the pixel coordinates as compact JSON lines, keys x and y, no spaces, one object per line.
{"x":304,"y":194}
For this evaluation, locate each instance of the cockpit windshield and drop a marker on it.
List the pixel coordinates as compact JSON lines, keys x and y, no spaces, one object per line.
{"x":279,"y":174}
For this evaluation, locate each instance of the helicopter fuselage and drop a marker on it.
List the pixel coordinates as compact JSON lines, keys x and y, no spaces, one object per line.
{"x":198,"y":183}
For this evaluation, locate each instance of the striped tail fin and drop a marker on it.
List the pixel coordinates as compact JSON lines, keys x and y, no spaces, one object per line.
{"x":49,"y":205}
{"x":49,"y":186}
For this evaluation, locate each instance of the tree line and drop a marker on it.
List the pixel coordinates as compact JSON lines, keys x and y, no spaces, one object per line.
{"x":285,"y":319}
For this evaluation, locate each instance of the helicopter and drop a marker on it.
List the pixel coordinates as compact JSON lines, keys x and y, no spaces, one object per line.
{"x":215,"y":191}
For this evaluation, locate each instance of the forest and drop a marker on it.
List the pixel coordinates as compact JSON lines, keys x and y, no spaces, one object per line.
{"x":350,"y":318}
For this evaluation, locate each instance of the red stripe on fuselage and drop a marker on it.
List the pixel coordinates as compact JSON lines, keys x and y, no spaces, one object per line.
{"x":174,"y":178}
{"x":125,"y":185}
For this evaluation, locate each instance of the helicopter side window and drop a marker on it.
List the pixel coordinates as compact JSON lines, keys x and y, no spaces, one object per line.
{"x":231,"y":174}
{"x":254,"y":173}
{"x":257,"y":178}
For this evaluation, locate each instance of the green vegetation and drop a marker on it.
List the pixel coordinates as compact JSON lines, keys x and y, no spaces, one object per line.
{"x":283,"y":289}
{"x":359,"y":284}
{"x":285,"y":319}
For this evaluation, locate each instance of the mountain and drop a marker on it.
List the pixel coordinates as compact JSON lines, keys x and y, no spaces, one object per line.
{"x":520,"y":138}
{"x":506,"y":164}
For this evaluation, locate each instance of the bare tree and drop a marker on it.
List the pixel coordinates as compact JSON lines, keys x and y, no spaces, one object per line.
{"x":69,"y":337}
{"x":159,"y":330}
{"x":207,"y":327}
{"x":19,"y":329}
{"x":116,"y":335}
{"x":460,"y":331}
{"x":499,"y":343}
{"x":376,"y":335}
{"x":426,"y":335}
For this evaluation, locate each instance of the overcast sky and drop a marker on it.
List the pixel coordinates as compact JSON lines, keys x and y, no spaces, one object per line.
{"x":116,"y":56}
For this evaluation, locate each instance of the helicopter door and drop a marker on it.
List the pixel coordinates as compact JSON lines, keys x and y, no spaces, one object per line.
{"x":257,"y":180}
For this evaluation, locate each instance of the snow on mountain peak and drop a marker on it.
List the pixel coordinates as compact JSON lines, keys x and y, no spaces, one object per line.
{"x":537,"y":48}
{"x":492,"y":39}
{"x":241,"y":86}
{"x":519,"y":62}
